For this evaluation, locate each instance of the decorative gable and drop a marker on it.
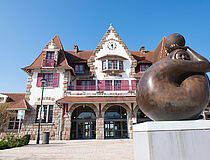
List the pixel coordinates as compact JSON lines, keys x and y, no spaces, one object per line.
{"x":111,"y":45}
{"x":51,"y":52}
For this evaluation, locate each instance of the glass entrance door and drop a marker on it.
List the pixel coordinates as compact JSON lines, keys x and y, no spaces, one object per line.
{"x":115,"y":122}
{"x":83,"y":123}
{"x":85,"y":130}
{"x":115,"y":129}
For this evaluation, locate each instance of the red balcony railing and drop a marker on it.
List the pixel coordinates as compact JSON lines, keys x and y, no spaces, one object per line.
{"x":100,"y":88}
{"x":48,"y":63}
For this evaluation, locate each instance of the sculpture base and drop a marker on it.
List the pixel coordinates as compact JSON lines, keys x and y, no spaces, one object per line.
{"x":172,"y":140}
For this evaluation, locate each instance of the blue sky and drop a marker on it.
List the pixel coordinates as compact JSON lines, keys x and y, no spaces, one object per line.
{"x":27,"y":26}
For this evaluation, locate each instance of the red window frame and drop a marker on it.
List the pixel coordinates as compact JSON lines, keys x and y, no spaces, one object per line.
{"x":78,"y":69}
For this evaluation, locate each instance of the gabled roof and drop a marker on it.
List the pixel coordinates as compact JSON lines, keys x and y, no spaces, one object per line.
{"x":110,"y":30}
{"x":17,"y":101}
{"x":62,"y":61}
{"x":160,"y":51}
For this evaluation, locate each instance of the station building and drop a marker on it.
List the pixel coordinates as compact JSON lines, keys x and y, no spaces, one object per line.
{"x":88,"y":94}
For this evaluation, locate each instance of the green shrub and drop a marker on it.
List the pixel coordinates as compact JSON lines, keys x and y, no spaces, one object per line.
{"x":11,"y":141}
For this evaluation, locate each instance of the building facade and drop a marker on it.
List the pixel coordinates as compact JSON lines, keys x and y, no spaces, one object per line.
{"x":88,"y":94}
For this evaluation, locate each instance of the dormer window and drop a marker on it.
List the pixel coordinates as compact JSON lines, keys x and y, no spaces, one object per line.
{"x":50,"y":55}
{"x":79,"y":68}
{"x":49,"y":60}
{"x":144,"y":67}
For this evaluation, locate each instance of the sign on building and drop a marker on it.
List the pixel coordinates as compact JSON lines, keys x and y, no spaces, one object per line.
{"x":21,"y":114}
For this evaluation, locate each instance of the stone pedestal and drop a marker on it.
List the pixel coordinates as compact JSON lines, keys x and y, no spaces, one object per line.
{"x":172,"y":140}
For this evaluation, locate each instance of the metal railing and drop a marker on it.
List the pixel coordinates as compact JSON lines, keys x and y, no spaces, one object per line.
{"x":100,"y":88}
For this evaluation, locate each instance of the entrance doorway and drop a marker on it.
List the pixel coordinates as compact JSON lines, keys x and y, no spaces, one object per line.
{"x":83,"y":123}
{"x":115,"y":123}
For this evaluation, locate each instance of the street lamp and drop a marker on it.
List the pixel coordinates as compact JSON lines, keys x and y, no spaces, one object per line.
{"x":40,"y":118}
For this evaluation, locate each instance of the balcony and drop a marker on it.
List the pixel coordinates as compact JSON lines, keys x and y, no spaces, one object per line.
{"x":100,"y":88}
{"x":48,"y":63}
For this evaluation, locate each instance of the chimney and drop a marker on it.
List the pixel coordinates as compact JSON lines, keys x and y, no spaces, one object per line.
{"x":142,"y":49}
{"x":76,"y":49}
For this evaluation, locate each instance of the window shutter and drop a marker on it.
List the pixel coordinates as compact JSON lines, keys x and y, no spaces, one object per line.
{"x":124,"y":85}
{"x":55,"y":79}
{"x":39,"y":77}
{"x":101,"y":84}
{"x":133,"y":84}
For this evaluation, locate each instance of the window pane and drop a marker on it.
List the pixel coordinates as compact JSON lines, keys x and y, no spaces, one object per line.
{"x":114,"y":64}
{"x":121,"y":65}
{"x":117,"y":85}
{"x":104,"y":65}
{"x":50,"y":55}
{"x":11,"y":125}
{"x":108,"y":85}
{"x":45,"y":114}
{"x":76,"y":68}
{"x":143,"y":68}
{"x":81,"y":68}
{"x":50,"y":79}
{"x":16,"y":125}
{"x":109,"y":64}
{"x":50,"y":113}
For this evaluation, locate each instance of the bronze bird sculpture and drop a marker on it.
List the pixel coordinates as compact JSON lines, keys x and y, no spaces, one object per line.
{"x":175,"y":88}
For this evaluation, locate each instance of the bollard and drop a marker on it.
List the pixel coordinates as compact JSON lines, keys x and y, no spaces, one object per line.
{"x":45,"y":138}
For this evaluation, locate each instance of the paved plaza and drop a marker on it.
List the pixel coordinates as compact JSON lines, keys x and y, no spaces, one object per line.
{"x":117,"y":149}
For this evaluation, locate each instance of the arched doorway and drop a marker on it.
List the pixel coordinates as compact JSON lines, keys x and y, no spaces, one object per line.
{"x":141,"y":117}
{"x":115,"y":122}
{"x":83,"y":123}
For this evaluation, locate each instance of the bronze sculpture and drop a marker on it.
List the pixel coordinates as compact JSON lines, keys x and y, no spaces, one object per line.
{"x":175,"y":88}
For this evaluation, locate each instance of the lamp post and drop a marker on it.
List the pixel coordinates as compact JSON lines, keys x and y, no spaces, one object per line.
{"x":40,"y":118}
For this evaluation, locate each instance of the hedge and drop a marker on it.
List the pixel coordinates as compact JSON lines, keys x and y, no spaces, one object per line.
{"x":11,"y":141}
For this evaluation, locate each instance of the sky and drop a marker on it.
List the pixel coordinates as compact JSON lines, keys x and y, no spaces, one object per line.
{"x":26,"y":26}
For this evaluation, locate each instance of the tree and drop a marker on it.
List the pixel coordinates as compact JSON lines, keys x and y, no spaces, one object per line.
{"x":5,"y":115}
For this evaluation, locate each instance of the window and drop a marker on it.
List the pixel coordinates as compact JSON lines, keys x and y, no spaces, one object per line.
{"x":103,"y":65}
{"x":117,"y":85}
{"x":113,"y":64}
{"x":109,"y":64}
{"x":47,"y":114}
{"x":108,"y":85}
{"x":79,"y":68}
{"x":144,"y":67}
{"x":50,"y":55}
{"x":121,"y":65}
{"x":52,"y":79}
{"x":14,"y":122}
{"x":49,"y":78}
{"x":1,"y":99}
